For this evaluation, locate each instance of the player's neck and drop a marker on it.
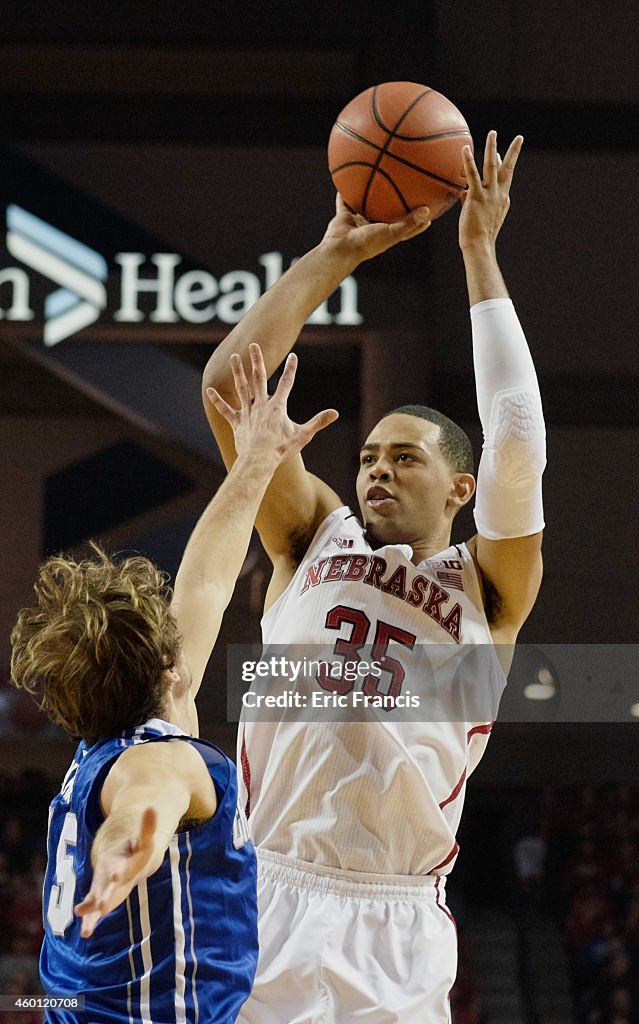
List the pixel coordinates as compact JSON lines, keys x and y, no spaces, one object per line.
{"x":181,"y":713}
{"x":423,"y":547}
{"x":427,"y":548}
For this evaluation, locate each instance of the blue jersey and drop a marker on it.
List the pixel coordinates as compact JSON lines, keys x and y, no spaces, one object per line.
{"x":182,"y":948}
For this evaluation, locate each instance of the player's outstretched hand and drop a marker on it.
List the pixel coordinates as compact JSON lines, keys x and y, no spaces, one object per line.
{"x":368,"y":239}
{"x":487,"y":201}
{"x":261,"y":425}
{"x":118,"y":867}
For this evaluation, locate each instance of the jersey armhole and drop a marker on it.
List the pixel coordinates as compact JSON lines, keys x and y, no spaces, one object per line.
{"x":217,"y":766}
{"x":93,"y":816}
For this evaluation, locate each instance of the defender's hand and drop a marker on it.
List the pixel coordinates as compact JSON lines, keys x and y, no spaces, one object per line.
{"x":487,"y":201}
{"x":118,"y":868}
{"x":261,"y":426}
{"x":366,"y":240}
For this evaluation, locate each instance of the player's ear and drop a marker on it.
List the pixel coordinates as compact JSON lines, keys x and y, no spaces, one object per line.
{"x":462,"y":490}
{"x":170,"y":674}
{"x":176,"y":676}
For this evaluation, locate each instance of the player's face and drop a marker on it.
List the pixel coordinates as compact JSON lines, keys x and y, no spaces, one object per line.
{"x":404,"y":483}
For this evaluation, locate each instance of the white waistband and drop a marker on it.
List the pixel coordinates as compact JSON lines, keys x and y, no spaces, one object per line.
{"x":351,"y":884}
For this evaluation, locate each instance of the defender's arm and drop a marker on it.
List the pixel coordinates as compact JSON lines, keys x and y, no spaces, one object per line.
{"x":147,"y":792}
{"x":264,"y":438}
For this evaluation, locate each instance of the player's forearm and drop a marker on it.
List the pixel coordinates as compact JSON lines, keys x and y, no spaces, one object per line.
{"x":483,"y":276}
{"x":217,"y":547}
{"x":276,"y":320}
{"x":509,"y":497}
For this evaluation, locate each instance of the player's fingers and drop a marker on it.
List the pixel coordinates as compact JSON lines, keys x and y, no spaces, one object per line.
{"x":286,"y":380}
{"x":103,"y":885}
{"x":258,"y":370}
{"x":491,"y":158}
{"x":470,"y":169}
{"x":509,"y":162}
{"x":91,"y":910}
{"x":239,"y":380}
{"x":308,"y":430}
{"x":418,"y":220}
{"x":88,"y":925}
{"x":412,"y":224}
{"x":226,"y":410}
{"x":87,"y":906}
{"x":342,"y":207}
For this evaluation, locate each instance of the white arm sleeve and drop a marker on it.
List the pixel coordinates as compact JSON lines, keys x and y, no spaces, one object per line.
{"x":508,"y":502}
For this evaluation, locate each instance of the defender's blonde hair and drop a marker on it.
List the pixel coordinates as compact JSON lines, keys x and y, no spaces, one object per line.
{"x":93,"y":648}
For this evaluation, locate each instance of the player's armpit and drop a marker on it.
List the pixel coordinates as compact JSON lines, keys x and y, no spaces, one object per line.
{"x":168,"y":774}
{"x":294,"y":506}
{"x":511,"y":571}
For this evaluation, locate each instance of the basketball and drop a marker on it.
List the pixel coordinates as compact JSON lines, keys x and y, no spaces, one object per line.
{"x":397,"y":146}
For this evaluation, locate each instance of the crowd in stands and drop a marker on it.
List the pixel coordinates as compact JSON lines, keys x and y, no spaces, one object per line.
{"x":24,"y":802}
{"x":592,"y":868}
{"x":569,"y":856}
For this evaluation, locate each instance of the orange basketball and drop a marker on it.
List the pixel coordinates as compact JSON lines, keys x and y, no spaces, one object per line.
{"x":397,"y":146}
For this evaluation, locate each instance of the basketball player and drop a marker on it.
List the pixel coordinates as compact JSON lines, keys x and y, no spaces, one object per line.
{"x":355,"y":823}
{"x":146,"y":839}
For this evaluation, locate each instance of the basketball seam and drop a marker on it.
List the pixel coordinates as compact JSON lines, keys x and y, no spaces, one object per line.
{"x":390,"y":135}
{"x":401,"y":159}
{"x":393,"y":131}
{"x":413,"y":138}
{"x":379,"y":170}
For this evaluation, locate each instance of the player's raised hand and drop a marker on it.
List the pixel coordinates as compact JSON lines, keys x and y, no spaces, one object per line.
{"x":487,"y":201}
{"x":261,"y":425}
{"x":121,"y":862}
{"x":367,"y":239}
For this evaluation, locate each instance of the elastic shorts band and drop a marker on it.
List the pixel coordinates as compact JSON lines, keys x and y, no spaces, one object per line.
{"x":349,"y":884}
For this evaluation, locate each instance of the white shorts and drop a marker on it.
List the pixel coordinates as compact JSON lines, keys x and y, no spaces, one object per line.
{"x":337,"y":947}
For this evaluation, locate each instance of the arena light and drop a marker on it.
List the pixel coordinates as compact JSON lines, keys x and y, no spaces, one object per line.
{"x":544,"y":688}
{"x":533,"y":693}
{"x":539,"y":691}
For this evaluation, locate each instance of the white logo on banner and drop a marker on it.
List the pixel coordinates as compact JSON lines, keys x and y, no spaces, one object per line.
{"x":194,"y":297}
{"x":65,"y":261}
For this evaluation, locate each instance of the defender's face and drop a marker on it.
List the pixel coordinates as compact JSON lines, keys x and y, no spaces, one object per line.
{"x":404,"y":481}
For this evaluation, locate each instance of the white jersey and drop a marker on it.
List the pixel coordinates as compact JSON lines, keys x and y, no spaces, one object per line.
{"x":382,"y":794}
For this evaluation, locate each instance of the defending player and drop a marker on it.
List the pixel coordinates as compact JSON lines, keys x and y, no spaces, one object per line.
{"x":353,"y":852}
{"x":146,"y":839}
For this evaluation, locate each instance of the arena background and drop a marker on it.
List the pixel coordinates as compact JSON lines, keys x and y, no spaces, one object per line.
{"x":199,"y":132}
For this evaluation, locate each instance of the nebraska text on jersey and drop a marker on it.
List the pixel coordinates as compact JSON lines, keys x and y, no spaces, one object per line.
{"x":413,"y":587}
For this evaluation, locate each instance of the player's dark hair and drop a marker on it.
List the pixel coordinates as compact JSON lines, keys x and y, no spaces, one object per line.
{"x":453,"y":441}
{"x":93,"y":648}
